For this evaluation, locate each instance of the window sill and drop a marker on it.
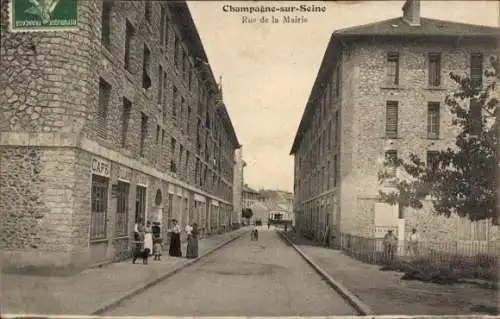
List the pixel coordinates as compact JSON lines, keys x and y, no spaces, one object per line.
{"x":107,"y":53}
{"x":121,"y":237}
{"x":129,"y":76}
{"x":98,"y":241}
{"x":391,"y":87}
{"x":391,"y":138}
{"x":434,"y":138}
{"x":435,"y":88}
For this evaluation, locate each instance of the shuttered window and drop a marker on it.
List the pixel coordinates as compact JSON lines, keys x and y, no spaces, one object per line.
{"x":476,"y":69}
{"x":433,"y":120}
{"x":107,"y":6}
{"x":127,"y":109}
{"x":434,"y":69}
{"x":475,"y":117}
{"x":393,"y":68}
{"x":146,"y":62}
{"x":102,"y":111}
{"x":174,"y":101}
{"x":391,"y":119}
{"x":432,"y":159}
{"x":121,"y":219}
{"x":144,"y":133}
{"x":160,"y":85}
{"x":129,"y":33}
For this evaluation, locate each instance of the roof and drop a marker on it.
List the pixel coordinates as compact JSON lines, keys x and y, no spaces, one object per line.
{"x":249,"y":190}
{"x":392,"y":28}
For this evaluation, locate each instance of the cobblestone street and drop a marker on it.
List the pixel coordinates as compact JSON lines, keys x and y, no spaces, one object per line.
{"x":246,"y":278}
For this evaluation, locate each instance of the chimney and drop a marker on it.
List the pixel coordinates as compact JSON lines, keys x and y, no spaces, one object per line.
{"x":411,"y":12}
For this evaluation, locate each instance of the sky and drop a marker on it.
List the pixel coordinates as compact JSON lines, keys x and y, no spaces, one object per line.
{"x":268,"y":69}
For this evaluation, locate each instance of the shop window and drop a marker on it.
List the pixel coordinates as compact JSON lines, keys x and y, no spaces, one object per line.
{"x":99,"y":207}
{"x":140,"y":203}
{"x":122,"y":209}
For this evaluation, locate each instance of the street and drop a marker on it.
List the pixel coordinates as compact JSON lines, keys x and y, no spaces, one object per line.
{"x":246,"y":278}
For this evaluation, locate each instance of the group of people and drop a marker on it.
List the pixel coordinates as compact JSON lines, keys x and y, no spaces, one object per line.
{"x":391,"y":242}
{"x":151,"y":243}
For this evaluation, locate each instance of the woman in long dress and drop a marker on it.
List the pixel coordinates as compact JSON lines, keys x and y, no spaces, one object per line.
{"x":148,"y":238}
{"x":192,"y":247}
{"x":175,"y":240}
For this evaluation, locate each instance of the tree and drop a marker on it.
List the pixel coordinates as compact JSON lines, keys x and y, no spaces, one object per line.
{"x":463,"y":179}
{"x":247,"y":213}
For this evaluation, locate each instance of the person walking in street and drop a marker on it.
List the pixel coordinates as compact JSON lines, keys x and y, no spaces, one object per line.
{"x":268,"y":223}
{"x":192,"y":246}
{"x":413,"y":242}
{"x":175,"y":240}
{"x":148,"y":237}
{"x":390,"y":243}
{"x":157,"y":244}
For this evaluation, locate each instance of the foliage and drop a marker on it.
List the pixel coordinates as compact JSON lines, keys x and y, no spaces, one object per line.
{"x":463,"y":179}
{"x":247,"y":213}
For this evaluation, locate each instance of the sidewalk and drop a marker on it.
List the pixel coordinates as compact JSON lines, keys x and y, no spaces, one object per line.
{"x":387,"y":294}
{"x":94,"y":288}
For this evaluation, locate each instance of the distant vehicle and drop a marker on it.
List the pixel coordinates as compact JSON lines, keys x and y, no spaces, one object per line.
{"x":258,"y":222}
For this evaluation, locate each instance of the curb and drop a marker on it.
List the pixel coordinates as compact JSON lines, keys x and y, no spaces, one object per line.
{"x":148,"y":285}
{"x":357,"y":303}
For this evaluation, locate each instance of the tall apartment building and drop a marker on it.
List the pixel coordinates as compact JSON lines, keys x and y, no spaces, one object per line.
{"x":380,"y":91}
{"x":119,"y":120}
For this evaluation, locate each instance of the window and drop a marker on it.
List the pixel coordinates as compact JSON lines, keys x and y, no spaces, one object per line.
{"x":476,"y":69}
{"x":129,"y":34}
{"x":174,"y":102}
{"x":107,"y":6}
{"x":127,"y":109}
{"x":162,"y":137}
{"x":157,"y":134}
{"x":164,"y":105}
{"x":144,"y":133}
{"x":188,"y":119}
{"x":146,"y":80}
{"x":176,"y":51}
{"x":337,"y":81}
{"x":172,"y":156}
{"x":182,"y":106}
{"x":187,"y":163}
{"x":99,"y":207}
{"x":197,"y":170}
{"x":140,"y":203}
{"x":121,"y":220}
{"x":393,"y":68}
{"x":475,"y":117}
{"x":160,"y":85}
{"x":184,"y":64}
{"x":181,"y":150}
{"x":335,"y":171}
{"x":337,"y":128}
{"x":328,"y":179}
{"x":434,"y":69}
{"x":102,"y":112}
{"x":433,"y":120}
{"x":391,"y":119}
{"x":432,"y":159}
{"x":147,"y":11}
{"x":164,"y":28}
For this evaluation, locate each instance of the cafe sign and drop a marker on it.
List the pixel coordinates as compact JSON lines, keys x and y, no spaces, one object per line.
{"x":43,"y":15}
{"x":101,"y":167}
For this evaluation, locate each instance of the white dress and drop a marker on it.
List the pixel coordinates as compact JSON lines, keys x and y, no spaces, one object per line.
{"x":148,"y":240}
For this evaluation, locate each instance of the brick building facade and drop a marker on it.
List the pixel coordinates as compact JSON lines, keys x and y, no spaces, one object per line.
{"x":380,"y":91}
{"x":119,"y":120}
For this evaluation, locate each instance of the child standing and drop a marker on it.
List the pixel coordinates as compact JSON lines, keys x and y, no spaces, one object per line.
{"x":157,"y":242}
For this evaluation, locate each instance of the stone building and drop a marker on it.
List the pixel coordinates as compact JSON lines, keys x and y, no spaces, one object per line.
{"x":380,"y":91}
{"x":249,"y":196}
{"x":119,"y":120}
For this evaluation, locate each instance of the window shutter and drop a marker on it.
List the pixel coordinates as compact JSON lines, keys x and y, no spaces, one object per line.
{"x":391,"y":117}
{"x":476,"y":69}
{"x":433,"y":120}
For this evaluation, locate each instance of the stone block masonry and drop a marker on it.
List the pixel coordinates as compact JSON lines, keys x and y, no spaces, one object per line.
{"x":54,"y":125}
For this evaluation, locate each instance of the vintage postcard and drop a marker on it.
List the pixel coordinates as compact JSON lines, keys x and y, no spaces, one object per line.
{"x":249,"y":158}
